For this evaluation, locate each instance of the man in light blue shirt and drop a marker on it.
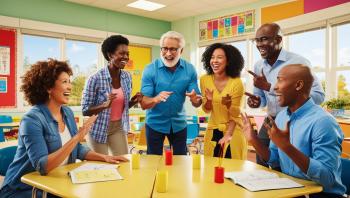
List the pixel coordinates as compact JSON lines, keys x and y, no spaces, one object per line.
{"x":165,"y":84}
{"x":269,"y":43}
{"x":306,"y":140}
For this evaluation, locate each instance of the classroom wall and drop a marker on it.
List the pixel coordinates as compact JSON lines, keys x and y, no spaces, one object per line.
{"x":189,"y":26}
{"x":66,"y":13}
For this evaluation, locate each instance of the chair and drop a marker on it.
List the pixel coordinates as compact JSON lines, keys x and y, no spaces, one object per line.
{"x":4,"y":119}
{"x":140,"y":143}
{"x":6,"y":157}
{"x":192,"y":133}
{"x":345,"y":174}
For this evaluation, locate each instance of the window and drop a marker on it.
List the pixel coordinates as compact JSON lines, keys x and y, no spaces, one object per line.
{"x":343,"y":60}
{"x":37,"y":48}
{"x":83,"y":58}
{"x":310,"y":45}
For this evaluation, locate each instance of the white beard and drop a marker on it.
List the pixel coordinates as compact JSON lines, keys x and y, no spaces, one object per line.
{"x":170,"y":63}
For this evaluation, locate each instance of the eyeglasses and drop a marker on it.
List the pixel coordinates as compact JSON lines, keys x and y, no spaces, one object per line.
{"x":171,"y":49}
{"x":263,"y":39}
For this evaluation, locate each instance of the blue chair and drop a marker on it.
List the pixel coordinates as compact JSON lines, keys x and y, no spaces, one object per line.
{"x":192,"y":132}
{"x":6,"y":157}
{"x":4,"y":119}
{"x":345,"y":174}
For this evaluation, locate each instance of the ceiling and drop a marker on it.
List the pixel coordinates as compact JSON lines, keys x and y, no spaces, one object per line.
{"x":174,"y":10}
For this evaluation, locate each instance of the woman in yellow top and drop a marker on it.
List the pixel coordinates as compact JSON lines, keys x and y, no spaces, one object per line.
{"x":222,"y":91}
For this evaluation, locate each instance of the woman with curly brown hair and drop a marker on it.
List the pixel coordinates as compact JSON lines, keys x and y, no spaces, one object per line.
{"x":48,"y":135}
{"x":222,"y":90}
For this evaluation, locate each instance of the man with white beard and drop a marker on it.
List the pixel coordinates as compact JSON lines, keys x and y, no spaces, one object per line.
{"x":165,"y":84}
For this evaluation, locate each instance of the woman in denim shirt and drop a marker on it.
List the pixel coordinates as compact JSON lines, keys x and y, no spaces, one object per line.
{"x":48,"y":135}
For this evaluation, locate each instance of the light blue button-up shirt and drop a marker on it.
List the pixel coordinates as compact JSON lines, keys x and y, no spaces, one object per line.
{"x":269,"y":97}
{"x":157,"y":78}
{"x":317,"y":135}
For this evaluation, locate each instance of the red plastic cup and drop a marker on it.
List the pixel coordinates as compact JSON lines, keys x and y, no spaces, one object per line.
{"x":219,"y":174}
{"x":168,"y":157}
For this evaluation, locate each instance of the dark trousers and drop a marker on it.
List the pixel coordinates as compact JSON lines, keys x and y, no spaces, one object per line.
{"x":7,"y":192}
{"x":265,"y":140}
{"x":155,"y":141}
{"x":217,"y":135}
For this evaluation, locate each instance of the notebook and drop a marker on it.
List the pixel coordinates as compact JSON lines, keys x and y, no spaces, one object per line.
{"x":94,"y":172}
{"x":259,"y":180}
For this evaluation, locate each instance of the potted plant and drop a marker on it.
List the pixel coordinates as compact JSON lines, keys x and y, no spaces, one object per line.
{"x":337,"y":106}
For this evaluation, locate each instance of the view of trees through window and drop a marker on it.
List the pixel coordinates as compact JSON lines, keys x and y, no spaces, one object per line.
{"x":81,"y":56}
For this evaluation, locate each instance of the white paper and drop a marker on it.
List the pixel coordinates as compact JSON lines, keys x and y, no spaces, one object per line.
{"x":94,"y":172}
{"x":260,"y":180}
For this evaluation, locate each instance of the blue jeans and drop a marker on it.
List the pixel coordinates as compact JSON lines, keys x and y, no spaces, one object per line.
{"x":155,"y":141}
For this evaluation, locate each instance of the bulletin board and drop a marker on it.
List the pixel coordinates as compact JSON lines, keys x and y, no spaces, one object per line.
{"x":7,"y":67}
{"x":140,"y":56}
{"x":227,"y":26}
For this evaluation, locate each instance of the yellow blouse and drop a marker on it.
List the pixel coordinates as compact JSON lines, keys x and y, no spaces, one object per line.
{"x":220,"y":115}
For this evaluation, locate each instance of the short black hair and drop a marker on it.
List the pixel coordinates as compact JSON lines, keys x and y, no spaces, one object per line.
{"x":111,"y":43}
{"x":235,"y":60}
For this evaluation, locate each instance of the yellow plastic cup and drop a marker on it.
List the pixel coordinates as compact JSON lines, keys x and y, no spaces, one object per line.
{"x":135,"y":161}
{"x":162,"y":181}
{"x":196,"y":161}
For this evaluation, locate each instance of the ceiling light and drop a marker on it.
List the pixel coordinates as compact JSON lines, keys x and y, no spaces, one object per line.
{"x":146,"y":5}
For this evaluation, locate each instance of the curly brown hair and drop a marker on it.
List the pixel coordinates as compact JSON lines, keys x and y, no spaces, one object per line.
{"x":41,"y":77}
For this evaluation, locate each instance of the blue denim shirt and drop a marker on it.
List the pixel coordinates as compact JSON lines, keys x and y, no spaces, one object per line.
{"x":39,"y":137}
{"x":157,"y":78}
{"x":318,"y":136}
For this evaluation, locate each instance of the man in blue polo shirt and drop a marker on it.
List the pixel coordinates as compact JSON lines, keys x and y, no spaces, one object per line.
{"x":165,"y":84}
{"x":305,"y":139}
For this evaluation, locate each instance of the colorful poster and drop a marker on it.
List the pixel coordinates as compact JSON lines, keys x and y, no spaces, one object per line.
{"x":210,"y":30}
{"x":4,"y":60}
{"x":3,"y":84}
{"x":221,"y":28}
{"x":227,"y":26}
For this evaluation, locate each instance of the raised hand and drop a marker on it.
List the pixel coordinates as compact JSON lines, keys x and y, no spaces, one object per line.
{"x":248,"y":130}
{"x":194,"y":98}
{"x":162,"y":96}
{"x":209,"y":94}
{"x":260,"y":81}
{"x":136,"y":98}
{"x":226,"y":101}
{"x":253,"y":100}
{"x":110,"y":99}
{"x":86,"y":127}
{"x":279,"y":137}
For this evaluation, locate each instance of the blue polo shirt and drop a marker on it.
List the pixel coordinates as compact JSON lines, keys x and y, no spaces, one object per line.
{"x":157,"y":78}
{"x":316,"y":134}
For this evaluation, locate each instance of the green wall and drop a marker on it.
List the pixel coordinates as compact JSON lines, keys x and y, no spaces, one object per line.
{"x":66,"y":13}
